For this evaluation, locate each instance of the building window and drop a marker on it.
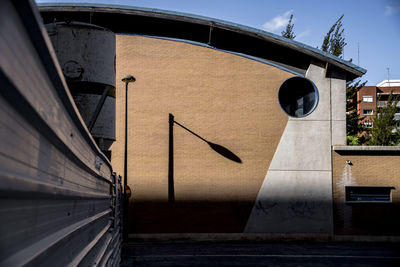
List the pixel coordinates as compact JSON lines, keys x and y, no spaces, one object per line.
{"x":368,"y":124}
{"x":298,"y":97}
{"x":367,"y":99}
{"x":367,"y":111}
{"x":361,"y":194}
{"x":382,"y":104}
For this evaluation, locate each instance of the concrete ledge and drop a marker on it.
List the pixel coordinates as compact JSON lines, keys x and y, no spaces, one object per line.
{"x":261,"y":237}
{"x":353,"y":238}
{"x":231,"y":237}
{"x":367,"y":150}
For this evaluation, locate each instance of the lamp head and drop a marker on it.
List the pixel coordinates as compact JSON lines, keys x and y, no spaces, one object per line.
{"x":128,"y":79}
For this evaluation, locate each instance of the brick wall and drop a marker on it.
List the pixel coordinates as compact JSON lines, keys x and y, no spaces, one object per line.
{"x":366,"y":169}
{"x":226,"y":99}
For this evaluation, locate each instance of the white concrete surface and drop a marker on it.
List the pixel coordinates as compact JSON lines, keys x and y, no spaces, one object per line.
{"x":296,"y":195}
{"x":339,"y":132}
{"x":338,"y":103}
{"x":322,"y":112}
{"x":293,"y":202}
{"x":305,"y":145}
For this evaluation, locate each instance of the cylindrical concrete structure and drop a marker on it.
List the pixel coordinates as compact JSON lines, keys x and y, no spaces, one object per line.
{"x":86,"y":54}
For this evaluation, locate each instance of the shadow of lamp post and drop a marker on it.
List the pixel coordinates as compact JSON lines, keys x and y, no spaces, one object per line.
{"x":223,"y":151}
{"x":127,"y":79}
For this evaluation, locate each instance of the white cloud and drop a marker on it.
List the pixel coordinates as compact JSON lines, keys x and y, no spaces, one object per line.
{"x":277,"y":23}
{"x":391,"y":10}
{"x":303,"y":34}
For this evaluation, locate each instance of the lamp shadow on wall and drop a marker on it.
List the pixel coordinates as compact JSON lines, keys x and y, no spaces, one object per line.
{"x":223,"y":151}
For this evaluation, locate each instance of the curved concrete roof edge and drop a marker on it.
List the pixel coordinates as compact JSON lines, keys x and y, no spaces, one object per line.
{"x":319,"y":54}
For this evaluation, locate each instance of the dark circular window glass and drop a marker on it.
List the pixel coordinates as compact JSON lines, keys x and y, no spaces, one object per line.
{"x":298,"y":96}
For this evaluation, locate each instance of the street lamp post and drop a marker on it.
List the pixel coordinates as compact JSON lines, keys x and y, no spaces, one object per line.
{"x":127,"y":79}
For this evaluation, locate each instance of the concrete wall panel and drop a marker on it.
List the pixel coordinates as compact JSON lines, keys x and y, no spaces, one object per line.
{"x":339,"y":132}
{"x":301,"y":147}
{"x":316,"y":73}
{"x":338,"y":89}
{"x":297,"y":189}
{"x":293,"y":202}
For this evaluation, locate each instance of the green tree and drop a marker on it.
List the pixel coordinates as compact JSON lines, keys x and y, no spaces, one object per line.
{"x":334,"y":41}
{"x":288,"y":32}
{"x":384,"y":131}
{"x":354,"y":128}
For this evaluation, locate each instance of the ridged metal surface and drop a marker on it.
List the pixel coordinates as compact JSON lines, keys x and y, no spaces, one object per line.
{"x":59,"y":200}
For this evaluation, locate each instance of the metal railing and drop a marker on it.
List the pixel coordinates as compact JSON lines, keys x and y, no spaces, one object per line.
{"x":381,"y":104}
{"x":60,"y":201}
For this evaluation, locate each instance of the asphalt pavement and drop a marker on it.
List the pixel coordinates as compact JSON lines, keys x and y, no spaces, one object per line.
{"x":259,"y":253}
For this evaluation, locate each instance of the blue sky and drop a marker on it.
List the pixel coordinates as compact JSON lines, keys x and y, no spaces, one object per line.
{"x":371,"y":27}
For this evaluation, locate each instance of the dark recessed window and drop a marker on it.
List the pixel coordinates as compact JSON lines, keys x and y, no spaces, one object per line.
{"x":368,"y":193}
{"x":368,"y":124}
{"x":298,"y":97}
{"x":367,"y":111}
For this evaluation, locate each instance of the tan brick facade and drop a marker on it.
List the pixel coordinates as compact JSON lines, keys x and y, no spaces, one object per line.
{"x":366,"y":170}
{"x":226,"y":99}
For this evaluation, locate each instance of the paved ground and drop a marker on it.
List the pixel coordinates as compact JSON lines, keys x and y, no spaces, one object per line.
{"x":252,"y":253}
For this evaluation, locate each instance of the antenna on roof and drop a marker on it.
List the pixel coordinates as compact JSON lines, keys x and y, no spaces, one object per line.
{"x":388,"y":71}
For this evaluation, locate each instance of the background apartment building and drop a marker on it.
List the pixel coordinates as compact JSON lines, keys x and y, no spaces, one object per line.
{"x":371,"y":97}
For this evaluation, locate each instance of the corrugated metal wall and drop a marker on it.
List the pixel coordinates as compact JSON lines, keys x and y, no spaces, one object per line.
{"x":59,"y":200}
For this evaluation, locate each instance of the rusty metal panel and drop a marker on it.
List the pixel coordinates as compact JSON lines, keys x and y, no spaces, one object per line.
{"x":58,"y":195}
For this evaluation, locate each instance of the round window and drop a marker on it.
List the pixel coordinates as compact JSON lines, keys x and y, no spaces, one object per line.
{"x":298,"y":97}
